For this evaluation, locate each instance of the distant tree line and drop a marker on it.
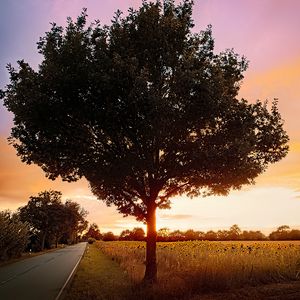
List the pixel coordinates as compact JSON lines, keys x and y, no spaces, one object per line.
{"x":46,"y":221}
{"x":284,"y":233}
{"x":233,"y":234}
{"x":42,"y":223}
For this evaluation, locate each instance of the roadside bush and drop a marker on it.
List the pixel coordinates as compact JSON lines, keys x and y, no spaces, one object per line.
{"x":91,"y":240}
{"x":14,"y":235}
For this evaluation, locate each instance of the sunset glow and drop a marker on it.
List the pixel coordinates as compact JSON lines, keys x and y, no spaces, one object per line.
{"x":265,"y":31}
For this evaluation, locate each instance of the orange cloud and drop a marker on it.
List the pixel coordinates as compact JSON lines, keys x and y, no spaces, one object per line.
{"x":14,"y":176}
{"x":285,"y":173}
{"x":175,"y":217}
{"x":282,"y":82}
{"x":19,"y":181}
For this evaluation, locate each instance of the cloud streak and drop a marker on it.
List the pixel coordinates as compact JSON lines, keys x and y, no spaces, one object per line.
{"x":176,"y":217}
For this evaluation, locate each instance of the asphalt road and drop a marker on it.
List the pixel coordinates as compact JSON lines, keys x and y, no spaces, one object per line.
{"x":40,"y":277}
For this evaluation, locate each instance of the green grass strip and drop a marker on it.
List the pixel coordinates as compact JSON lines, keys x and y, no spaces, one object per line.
{"x":98,"y":277}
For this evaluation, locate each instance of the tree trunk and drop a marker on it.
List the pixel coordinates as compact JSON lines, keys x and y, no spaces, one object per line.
{"x":151,"y":267}
{"x":43,"y":240}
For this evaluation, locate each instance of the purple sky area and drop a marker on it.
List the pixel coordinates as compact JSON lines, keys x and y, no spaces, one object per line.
{"x":265,"y":31}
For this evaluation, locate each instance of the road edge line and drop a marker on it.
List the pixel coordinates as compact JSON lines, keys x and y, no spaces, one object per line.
{"x":70,"y":276}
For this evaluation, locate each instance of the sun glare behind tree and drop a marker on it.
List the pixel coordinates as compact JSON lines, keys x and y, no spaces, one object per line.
{"x":144,"y":110}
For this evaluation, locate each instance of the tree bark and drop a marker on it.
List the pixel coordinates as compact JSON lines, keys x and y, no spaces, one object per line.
{"x":151,"y":267}
{"x":43,"y":240}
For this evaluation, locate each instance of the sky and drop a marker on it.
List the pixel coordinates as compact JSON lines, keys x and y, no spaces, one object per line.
{"x":265,"y":31}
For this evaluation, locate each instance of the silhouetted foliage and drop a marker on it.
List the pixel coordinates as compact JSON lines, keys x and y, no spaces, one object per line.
{"x":294,"y":234}
{"x":109,"y":236}
{"x":144,"y":110}
{"x":252,"y":236}
{"x":93,"y":232}
{"x":75,"y":222}
{"x":136,"y":234}
{"x":91,"y":240}
{"x":163,"y":234}
{"x":191,"y":235}
{"x":42,"y":212}
{"x":211,"y":236}
{"x":284,"y":233}
{"x":50,"y":219}
{"x":14,"y":235}
{"x":125,"y":235}
{"x":233,"y":234}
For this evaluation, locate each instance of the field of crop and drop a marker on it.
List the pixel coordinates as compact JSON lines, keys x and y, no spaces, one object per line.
{"x":197,"y":267}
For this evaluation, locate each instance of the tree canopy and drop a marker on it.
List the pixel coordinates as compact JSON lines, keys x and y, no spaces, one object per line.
{"x":136,"y":234}
{"x":50,"y":218}
{"x":143,"y":109}
{"x":93,"y":232}
{"x":14,"y":235}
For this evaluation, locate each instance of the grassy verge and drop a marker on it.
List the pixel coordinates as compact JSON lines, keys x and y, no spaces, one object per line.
{"x":98,"y":277}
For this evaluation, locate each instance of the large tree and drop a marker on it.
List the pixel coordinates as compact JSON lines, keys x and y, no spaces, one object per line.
{"x":144,"y":110}
{"x":75,"y":221}
{"x":93,"y":232}
{"x":14,"y":235}
{"x":44,"y":213}
{"x":51,"y":219}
